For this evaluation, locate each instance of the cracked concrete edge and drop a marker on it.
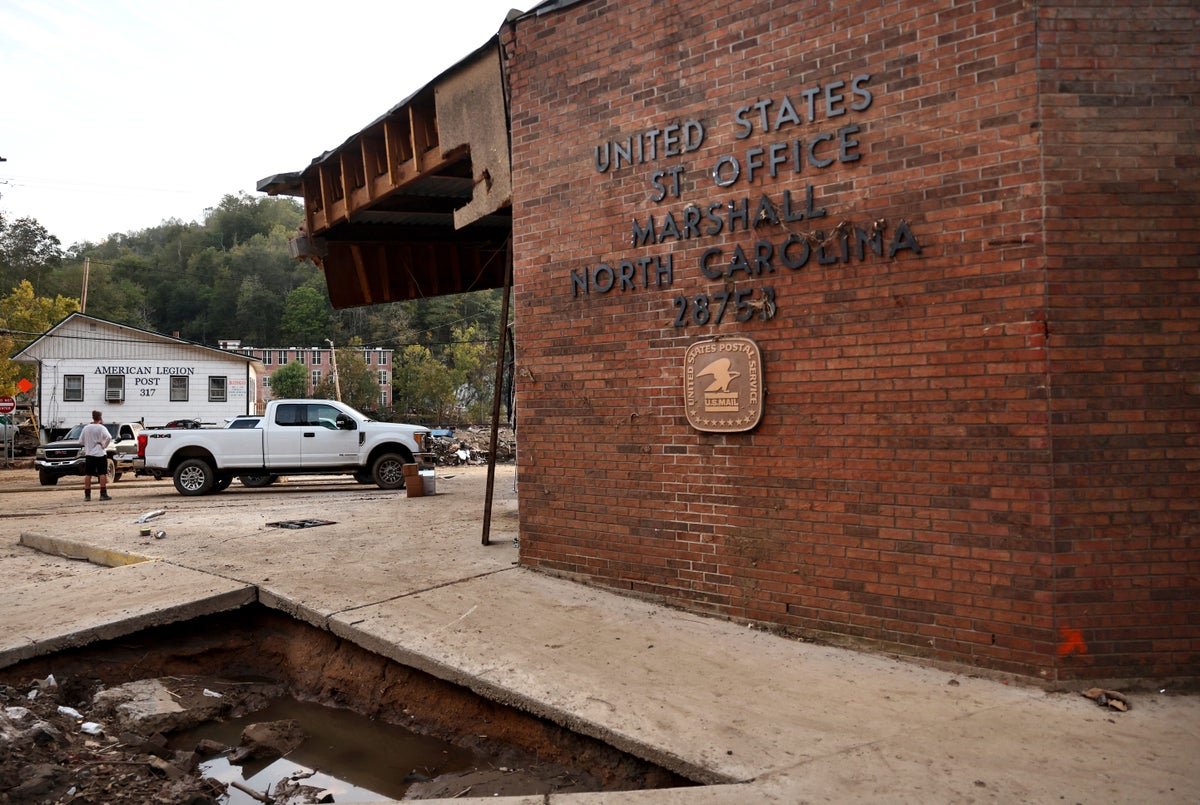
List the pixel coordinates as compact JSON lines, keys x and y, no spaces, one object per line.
{"x":732,"y":794}
{"x":511,"y":698}
{"x":136,"y":622}
{"x":71,"y":549}
{"x":725,"y":794}
{"x":272,"y":600}
{"x":337,"y":624}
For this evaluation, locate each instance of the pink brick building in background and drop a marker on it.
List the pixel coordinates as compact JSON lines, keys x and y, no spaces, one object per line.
{"x":320,"y":365}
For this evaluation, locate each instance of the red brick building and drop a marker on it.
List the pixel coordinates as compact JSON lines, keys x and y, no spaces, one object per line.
{"x":964,"y":237}
{"x":319,"y":361}
{"x":874,"y":323}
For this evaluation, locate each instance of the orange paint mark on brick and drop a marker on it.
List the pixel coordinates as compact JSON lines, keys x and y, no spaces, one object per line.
{"x":1072,"y":642}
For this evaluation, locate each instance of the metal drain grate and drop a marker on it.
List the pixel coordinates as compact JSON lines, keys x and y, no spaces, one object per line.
{"x":300,"y":523}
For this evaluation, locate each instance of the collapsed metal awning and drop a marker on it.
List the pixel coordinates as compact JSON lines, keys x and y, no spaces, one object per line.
{"x":418,"y":203}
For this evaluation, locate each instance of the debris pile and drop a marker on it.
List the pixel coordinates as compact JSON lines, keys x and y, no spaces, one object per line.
{"x":25,"y":442}
{"x":1114,"y":700}
{"x":79,"y":743}
{"x":453,"y":447}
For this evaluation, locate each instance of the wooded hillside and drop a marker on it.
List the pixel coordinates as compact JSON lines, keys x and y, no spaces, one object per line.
{"x":230,"y":277}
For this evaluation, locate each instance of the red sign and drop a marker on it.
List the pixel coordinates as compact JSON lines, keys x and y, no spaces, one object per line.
{"x":24,"y":386}
{"x":7,"y":405}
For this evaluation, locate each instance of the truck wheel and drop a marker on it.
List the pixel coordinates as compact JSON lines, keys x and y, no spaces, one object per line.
{"x":388,"y":471}
{"x":222,"y":483}
{"x":47,"y":478}
{"x":363,"y":477}
{"x":112,"y":474}
{"x":256,"y":481}
{"x":194,"y":476}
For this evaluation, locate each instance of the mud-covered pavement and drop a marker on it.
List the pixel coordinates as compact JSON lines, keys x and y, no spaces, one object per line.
{"x":753,"y":716}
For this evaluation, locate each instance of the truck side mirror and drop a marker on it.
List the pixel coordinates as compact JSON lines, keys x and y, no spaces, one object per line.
{"x":346,"y":422}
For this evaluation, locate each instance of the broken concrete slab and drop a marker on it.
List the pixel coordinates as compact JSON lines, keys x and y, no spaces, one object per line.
{"x":45,"y":617}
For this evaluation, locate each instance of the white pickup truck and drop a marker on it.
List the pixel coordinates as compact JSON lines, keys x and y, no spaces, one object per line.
{"x":293,"y":437}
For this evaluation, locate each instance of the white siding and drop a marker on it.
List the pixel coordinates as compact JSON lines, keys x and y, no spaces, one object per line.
{"x":96,"y":350}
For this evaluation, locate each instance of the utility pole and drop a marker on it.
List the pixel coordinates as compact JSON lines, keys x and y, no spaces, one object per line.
{"x":87,"y":264}
{"x":337,"y":381}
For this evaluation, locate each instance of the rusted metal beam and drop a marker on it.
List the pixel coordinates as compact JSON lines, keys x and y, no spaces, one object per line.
{"x":496,"y":393}
{"x":360,"y":271}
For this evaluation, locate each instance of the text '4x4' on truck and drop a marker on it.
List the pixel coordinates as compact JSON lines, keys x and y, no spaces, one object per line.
{"x":294,"y":437}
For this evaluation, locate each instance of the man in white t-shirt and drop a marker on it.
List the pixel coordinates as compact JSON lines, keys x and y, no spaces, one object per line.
{"x":95,"y":438}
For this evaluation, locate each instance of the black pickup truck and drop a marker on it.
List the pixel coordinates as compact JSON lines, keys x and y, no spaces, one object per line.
{"x":65,"y":456}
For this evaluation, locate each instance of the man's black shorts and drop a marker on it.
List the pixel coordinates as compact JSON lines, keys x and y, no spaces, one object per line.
{"x":95,"y":465}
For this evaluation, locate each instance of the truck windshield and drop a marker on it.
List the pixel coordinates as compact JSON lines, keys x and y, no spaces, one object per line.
{"x":74,"y":433}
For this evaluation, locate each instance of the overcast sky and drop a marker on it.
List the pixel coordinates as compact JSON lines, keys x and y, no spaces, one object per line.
{"x":118,"y":115}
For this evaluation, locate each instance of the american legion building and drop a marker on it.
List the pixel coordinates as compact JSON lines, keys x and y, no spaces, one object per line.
{"x":868,"y":323}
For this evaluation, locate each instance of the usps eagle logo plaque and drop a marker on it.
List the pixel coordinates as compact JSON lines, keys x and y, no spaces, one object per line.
{"x":722,"y":385}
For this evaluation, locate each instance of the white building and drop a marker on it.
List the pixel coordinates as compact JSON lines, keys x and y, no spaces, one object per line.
{"x":133,"y":375}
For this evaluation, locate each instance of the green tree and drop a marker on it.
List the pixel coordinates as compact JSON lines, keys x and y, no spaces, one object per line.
{"x":290,"y":381}
{"x":23,"y":317}
{"x":360,"y":388}
{"x":240,"y":217}
{"x":473,"y":373}
{"x":257,"y":308}
{"x":423,"y":386}
{"x":305,"y":320}
{"x":27,"y":252}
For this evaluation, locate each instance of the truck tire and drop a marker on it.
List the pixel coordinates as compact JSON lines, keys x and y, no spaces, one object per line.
{"x":47,"y":478}
{"x":364,"y":477}
{"x":222,"y":483}
{"x":194,"y":476}
{"x":256,"y":481}
{"x":388,"y":471}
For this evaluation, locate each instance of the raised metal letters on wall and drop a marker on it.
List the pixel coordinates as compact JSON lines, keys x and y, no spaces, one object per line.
{"x":723,"y":385}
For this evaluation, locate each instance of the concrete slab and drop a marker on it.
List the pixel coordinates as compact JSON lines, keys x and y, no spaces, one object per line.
{"x":408,"y":579}
{"x":48,"y":616}
{"x":708,"y":699}
{"x":380,"y":545}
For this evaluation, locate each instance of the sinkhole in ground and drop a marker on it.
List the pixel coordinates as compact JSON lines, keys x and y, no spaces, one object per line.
{"x":373,"y":728}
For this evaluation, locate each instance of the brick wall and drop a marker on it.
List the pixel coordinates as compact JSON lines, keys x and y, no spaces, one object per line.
{"x":904,"y":489}
{"x":1123,"y":300}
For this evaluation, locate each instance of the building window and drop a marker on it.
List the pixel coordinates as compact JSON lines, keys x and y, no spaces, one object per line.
{"x":383,"y":377}
{"x":310,"y":414}
{"x":179,"y":388}
{"x":216,"y":389}
{"x":383,"y":399}
{"x":72,"y":388}
{"x":316,"y":377}
{"x":114,"y":388}
{"x":316,"y":361}
{"x":266,"y":381}
{"x":299,"y":356}
{"x":282,"y":357}
{"x":383,"y":359}
{"x":266,"y":357}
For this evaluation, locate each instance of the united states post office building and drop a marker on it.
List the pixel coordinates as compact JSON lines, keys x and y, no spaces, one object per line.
{"x":875,"y":324}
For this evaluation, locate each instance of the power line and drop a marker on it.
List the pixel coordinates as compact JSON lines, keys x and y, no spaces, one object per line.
{"x":364,"y":347}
